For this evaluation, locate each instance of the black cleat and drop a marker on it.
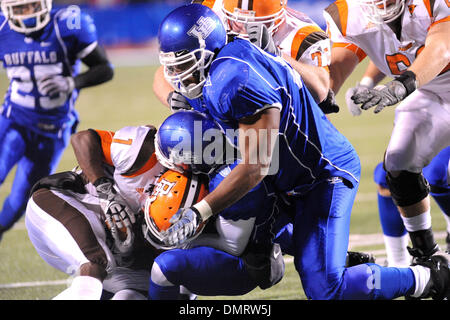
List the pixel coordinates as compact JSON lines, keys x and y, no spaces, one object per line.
{"x":438,"y":287}
{"x":354,"y":258}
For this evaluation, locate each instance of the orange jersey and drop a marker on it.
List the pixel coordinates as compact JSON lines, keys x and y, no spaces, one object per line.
{"x":348,"y":27}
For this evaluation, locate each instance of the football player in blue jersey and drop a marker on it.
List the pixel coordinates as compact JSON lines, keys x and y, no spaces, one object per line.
{"x":235,"y":252}
{"x":42,"y":50}
{"x":255,"y":93}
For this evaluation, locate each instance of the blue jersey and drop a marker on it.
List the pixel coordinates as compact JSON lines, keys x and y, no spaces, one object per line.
{"x":68,"y":37}
{"x":243,"y":80}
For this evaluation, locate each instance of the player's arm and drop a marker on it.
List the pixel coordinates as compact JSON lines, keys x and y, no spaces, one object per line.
{"x":343,"y":62}
{"x":435,"y":56}
{"x":91,"y":153}
{"x":99,"y":70}
{"x":316,"y":78}
{"x":253,"y":168}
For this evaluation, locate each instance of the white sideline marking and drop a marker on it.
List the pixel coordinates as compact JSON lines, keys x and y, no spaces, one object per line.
{"x":33,"y":284}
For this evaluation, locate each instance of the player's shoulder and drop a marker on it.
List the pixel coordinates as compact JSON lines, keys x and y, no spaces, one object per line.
{"x":346,"y":15}
{"x":433,"y":9}
{"x":72,"y":19}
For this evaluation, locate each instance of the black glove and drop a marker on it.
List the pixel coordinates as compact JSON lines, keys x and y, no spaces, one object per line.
{"x":177,"y":102}
{"x":387,"y":95}
{"x":259,"y":35}
{"x":329,"y":104}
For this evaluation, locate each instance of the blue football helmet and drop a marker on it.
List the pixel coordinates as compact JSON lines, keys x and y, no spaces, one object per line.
{"x":189,"y":37}
{"x":191,"y":141}
{"x":27,"y":16}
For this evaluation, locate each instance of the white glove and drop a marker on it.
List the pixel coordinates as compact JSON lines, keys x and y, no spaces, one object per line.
{"x":365,"y":84}
{"x":118,"y":216}
{"x":53,"y":85}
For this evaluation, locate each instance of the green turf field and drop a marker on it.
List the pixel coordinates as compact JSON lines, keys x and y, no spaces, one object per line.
{"x":129,"y":100}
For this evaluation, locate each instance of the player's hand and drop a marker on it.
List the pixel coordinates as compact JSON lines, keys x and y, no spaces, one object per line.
{"x":353,"y":107}
{"x":329,"y":105}
{"x":381,"y":96}
{"x":56,"y":84}
{"x":184,"y":225}
{"x":118,"y":216}
{"x":259,"y":35}
{"x":388,"y":94}
{"x":177,"y":102}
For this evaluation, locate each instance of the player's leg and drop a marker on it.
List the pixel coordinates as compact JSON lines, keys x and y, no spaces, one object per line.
{"x":420,"y":132}
{"x":394,"y":233}
{"x":321,"y":235}
{"x":202,"y":270}
{"x":71,"y":240}
{"x":438,"y":175}
{"x":41,"y":158}
{"x":12,"y":148}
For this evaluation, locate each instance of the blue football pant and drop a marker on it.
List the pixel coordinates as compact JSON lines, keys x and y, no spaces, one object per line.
{"x":36,"y":156}
{"x":203,"y":271}
{"x":319,"y":243}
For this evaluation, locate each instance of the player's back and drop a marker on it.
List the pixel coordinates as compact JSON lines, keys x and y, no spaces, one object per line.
{"x":244,"y":80}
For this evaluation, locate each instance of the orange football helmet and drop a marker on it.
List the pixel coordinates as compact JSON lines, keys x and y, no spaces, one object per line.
{"x":238,"y":13}
{"x":172,"y":191}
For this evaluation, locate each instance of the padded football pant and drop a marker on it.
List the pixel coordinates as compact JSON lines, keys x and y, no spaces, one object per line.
{"x":36,"y":156}
{"x":202,"y":270}
{"x":319,"y":243}
{"x":437,"y":174}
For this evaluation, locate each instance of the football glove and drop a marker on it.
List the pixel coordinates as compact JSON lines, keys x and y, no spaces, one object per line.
{"x":259,"y":35}
{"x":118,"y":216}
{"x":387,"y":95}
{"x":53,"y":85}
{"x":184,"y":225}
{"x":354,"y":109}
{"x":329,"y":104}
{"x":177,"y":102}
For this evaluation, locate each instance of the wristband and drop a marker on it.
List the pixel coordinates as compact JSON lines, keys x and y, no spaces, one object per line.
{"x":367,"y":82}
{"x":408,"y":79}
{"x":203,"y":209}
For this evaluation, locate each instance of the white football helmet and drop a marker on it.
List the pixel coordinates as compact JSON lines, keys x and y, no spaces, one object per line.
{"x":27,"y":16}
{"x":382,"y":11}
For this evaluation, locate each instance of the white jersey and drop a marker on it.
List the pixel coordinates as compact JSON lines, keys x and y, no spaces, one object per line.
{"x":120,"y":150}
{"x":298,"y":36}
{"x":348,"y":27}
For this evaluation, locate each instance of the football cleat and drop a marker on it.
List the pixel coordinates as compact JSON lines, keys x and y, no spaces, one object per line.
{"x":438,"y":287}
{"x":354,"y":258}
{"x":172,"y":191}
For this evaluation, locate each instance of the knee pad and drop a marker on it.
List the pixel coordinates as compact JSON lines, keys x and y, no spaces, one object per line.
{"x":408,"y":188}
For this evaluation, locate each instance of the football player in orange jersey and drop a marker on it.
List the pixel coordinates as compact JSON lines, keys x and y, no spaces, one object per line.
{"x":301,"y":42}
{"x":87,"y":222}
{"x":408,"y":41}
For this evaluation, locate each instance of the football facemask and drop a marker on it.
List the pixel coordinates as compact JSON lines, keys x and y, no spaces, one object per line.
{"x":382,"y":11}
{"x":27,"y":16}
{"x":172,"y":191}
{"x":272,"y":13}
